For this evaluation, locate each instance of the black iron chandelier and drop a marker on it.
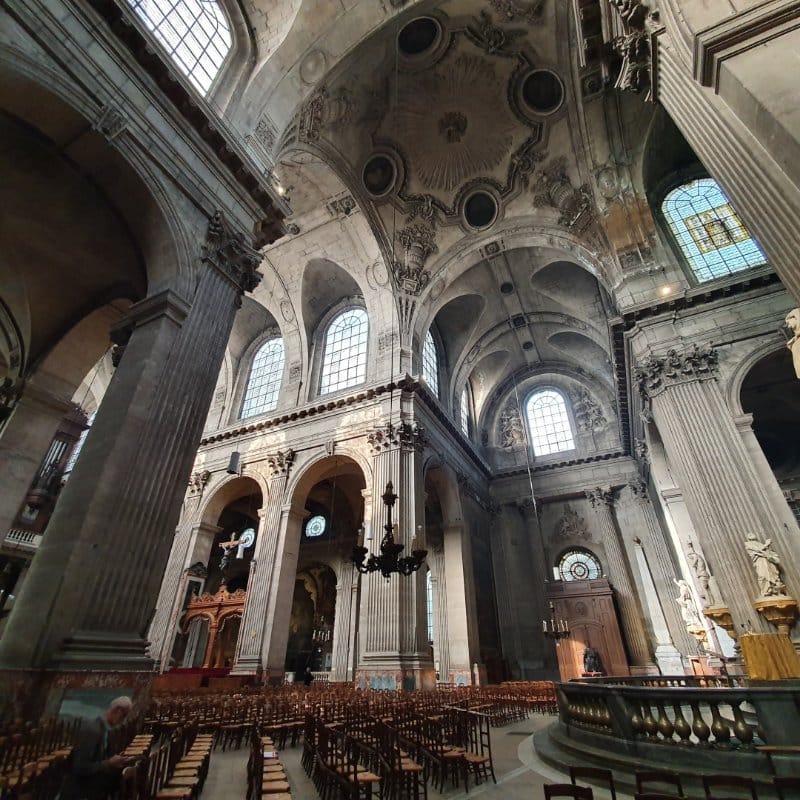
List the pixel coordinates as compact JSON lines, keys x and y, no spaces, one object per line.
{"x":389,"y":560}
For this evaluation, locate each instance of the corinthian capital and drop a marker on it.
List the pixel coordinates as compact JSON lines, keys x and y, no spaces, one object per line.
{"x":227,"y":250}
{"x":280,"y":462}
{"x":600,"y":496}
{"x":656,"y":373}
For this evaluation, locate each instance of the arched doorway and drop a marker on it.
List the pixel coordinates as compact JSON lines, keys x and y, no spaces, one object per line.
{"x":313,"y":620}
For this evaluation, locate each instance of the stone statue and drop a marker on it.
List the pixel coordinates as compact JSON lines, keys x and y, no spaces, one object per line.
{"x":766,"y":563}
{"x":688,"y":607}
{"x":591,"y":660}
{"x":700,"y":569}
{"x":511,"y":431}
{"x":793,"y":324}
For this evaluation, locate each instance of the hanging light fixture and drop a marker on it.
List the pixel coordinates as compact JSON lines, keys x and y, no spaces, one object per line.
{"x":389,"y":560}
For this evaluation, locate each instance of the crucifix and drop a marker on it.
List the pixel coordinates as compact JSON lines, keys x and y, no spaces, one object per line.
{"x":245,"y":540}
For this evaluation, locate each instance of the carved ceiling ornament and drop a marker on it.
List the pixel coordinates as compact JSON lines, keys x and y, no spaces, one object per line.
{"x":528,"y":10}
{"x":227,"y":250}
{"x":589,"y":415}
{"x":637,"y":23}
{"x":419,"y":243}
{"x":571,"y":525}
{"x":654,"y":374}
{"x":457,"y":144}
{"x":554,"y":188}
{"x":324,"y":109}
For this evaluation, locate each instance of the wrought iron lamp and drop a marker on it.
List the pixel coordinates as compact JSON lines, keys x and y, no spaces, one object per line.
{"x":555,"y":628}
{"x":389,"y":560}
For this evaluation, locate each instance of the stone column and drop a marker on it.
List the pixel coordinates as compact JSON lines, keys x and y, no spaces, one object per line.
{"x":264,"y":570}
{"x":602,"y":500}
{"x":724,"y":494}
{"x":343,"y":619}
{"x":660,"y":564}
{"x":456,"y":563}
{"x":92,"y":589}
{"x":170,"y":596}
{"x":441,"y":638}
{"x":24,"y":442}
{"x":393,"y":610}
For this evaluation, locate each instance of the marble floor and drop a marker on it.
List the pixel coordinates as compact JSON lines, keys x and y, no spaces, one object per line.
{"x":520,"y":773}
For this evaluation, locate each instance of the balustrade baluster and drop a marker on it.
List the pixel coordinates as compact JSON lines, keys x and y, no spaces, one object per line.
{"x":741,"y":730}
{"x":635,"y":716}
{"x":650,"y":724}
{"x":699,"y":725}
{"x":720,"y":728}
{"x":665,"y":726}
{"x":682,"y":727}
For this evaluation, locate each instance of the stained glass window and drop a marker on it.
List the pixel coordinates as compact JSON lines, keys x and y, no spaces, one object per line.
{"x":264,"y":381}
{"x":464,"y":412}
{"x":579,"y":565}
{"x":713,"y":239}
{"x":548,"y":423}
{"x":344,"y":362}
{"x":430,"y":363}
{"x":195,"y":33}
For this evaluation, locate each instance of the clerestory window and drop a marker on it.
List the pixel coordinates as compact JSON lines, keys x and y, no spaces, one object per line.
{"x":463,"y":412}
{"x":264,"y":381}
{"x":195,"y":33}
{"x":344,"y":361}
{"x":548,"y":423}
{"x":430,"y":363}
{"x":708,"y":231}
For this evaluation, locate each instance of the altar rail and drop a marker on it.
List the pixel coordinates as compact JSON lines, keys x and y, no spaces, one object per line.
{"x":694,"y":712}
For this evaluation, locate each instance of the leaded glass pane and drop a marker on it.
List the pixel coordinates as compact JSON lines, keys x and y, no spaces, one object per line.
{"x":344,"y":362}
{"x":579,"y":565}
{"x":430,"y":364}
{"x":195,"y":33}
{"x":464,"y":412}
{"x":264,"y":381}
{"x":713,"y":239}
{"x":548,"y":423}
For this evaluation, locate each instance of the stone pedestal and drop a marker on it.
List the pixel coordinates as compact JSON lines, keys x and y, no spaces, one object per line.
{"x":92,"y":588}
{"x":781,"y":611}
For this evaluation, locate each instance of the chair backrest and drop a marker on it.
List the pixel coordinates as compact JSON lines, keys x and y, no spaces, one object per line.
{"x":597,"y":774}
{"x":657,"y":796}
{"x":552,"y":790}
{"x":645,"y":777}
{"x":722,"y":787}
{"x":787,"y":788}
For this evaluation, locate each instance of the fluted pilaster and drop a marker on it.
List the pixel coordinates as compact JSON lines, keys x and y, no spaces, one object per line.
{"x":602,"y":500}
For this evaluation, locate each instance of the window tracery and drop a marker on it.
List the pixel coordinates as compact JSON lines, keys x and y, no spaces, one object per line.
{"x":264,"y":381}
{"x":195,"y":33}
{"x":548,"y":423}
{"x":708,"y":231}
{"x":579,"y":565}
{"x":344,"y":362}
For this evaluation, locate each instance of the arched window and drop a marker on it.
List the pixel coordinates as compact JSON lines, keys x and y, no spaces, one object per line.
{"x":579,"y":565}
{"x":548,"y":423}
{"x":430,"y":363}
{"x":344,"y":362}
{"x":195,"y":33}
{"x":76,"y":451}
{"x":708,"y":231}
{"x":264,"y":381}
{"x":463,"y":412}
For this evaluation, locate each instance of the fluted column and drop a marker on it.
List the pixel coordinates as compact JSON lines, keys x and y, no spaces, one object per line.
{"x":265,"y":569}
{"x":24,"y":441}
{"x":602,"y":500}
{"x":724,"y":494}
{"x":441,"y":637}
{"x":170,"y":596}
{"x":393,"y":609}
{"x":93,"y":586}
{"x":342,"y":620}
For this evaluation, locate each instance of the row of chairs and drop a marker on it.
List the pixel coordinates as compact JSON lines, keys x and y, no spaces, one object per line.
{"x":266,"y":777}
{"x":668,"y":785}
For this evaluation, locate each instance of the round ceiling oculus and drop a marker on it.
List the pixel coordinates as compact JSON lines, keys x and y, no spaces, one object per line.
{"x":527,"y":345}
{"x":507,"y":287}
{"x":543,"y":91}
{"x":480,"y":210}
{"x":418,"y":36}
{"x":379,"y":175}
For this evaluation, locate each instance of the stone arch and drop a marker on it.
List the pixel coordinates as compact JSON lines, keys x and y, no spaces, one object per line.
{"x":230,"y":489}
{"x":323,"y":466}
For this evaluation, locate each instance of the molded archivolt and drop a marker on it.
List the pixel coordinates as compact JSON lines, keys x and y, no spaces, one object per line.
{"x":230,"y":490}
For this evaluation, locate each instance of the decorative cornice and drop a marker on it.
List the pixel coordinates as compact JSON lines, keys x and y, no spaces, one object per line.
{"x":227,"y":250}
{"x":280,"y":462}
{"x":654,"y":374}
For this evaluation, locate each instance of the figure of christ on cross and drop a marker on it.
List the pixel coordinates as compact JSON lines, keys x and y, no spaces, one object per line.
{"x":245,"y":540}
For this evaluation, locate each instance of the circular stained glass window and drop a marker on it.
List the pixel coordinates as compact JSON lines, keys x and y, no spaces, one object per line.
{"x":316,"y":526}
{"x":578,"y":565}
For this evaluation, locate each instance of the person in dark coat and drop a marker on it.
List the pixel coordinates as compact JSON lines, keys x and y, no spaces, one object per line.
{"x":93,"y":773}
{"x":308,"y":676}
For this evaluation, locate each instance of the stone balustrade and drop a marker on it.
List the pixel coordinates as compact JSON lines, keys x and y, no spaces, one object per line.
{"x":28,"y":540}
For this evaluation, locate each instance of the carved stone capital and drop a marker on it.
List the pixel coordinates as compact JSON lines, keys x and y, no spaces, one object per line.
{"x":226,"y":250}
{"x":654,"y":374}
{"x":412,"y":436}
{"x":280,"y":462}
{"x":600,"y":496}
{"x":639,"y":490}
{"x":384,"y":438}
{"x":198,"y":481}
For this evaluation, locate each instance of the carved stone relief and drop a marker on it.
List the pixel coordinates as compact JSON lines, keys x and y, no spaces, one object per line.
{"x":571,"y":525}
{"x":589,"y":416}
{"x":512,"y":433}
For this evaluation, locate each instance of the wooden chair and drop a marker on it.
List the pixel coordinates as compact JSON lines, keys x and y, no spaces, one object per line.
{"x":659,"y":776}
{"x":722,"y":787}
{"x":594,"y":774}
{"x":656,"y":796}
{"x":559,"y":790}
{"x":787,"y":788}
